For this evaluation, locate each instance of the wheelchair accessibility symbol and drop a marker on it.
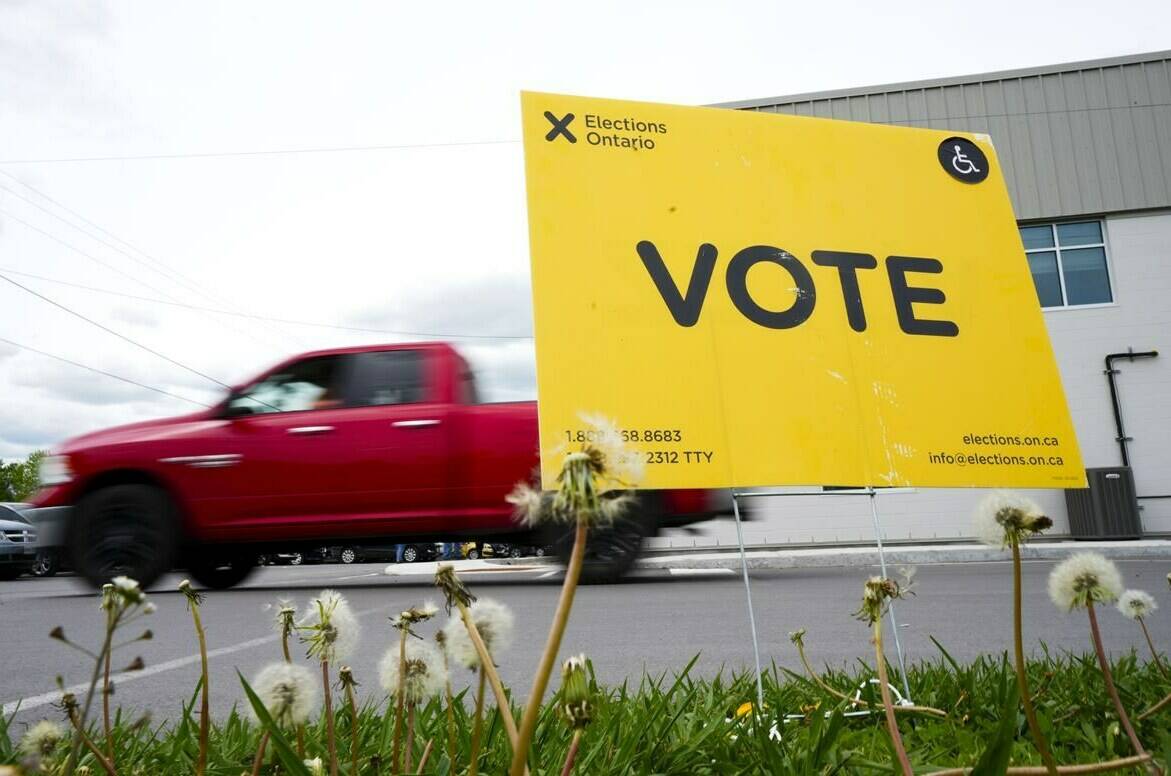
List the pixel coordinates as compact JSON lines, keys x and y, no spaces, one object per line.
{"x":963,"y":160}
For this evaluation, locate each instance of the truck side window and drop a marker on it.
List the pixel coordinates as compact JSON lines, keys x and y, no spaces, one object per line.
{"x":387,"y":377}
{"x":310,"y":384}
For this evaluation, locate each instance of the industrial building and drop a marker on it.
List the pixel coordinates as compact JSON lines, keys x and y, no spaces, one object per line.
{"x":1086,"y":151}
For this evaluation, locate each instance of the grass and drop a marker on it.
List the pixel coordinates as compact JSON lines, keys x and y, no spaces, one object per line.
{"x":681,"y":724}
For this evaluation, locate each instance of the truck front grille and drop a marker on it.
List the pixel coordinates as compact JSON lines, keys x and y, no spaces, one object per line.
{"x":20,"y":537}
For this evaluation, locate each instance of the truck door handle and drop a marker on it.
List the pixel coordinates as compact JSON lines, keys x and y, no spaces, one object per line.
{"x":415,"y":423}
{"x":311,"y":430}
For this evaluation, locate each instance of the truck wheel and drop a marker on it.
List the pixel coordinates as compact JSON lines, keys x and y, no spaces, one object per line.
{"x":129,"y":530}
{"x":515,"y":552}
{"x":612,"y":550}
{"x":296,"y":560}
{"x":473,"y":554}
{"x":410,"y":553}
{"x":219,"y":569}
{"x":348,"y":555}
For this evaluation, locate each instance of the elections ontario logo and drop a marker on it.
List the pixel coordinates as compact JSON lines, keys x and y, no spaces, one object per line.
{"x":605,"y":131}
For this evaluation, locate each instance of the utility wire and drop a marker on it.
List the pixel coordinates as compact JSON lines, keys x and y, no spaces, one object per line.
{"x":187,"y":306}
{"x":161,"y":268}
{"x":119,"y":335}
{"x":262,"y":152}
{"x":101,"y":372}
{"x":107,"y":265}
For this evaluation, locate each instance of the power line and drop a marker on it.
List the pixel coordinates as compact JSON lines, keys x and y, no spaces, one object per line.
{"x":263,"y":152}
{"x":119,"y":335}
{"x":106,"y":264}
{"x":166,"y":271}
{"x":339,"y":327}
{"x":102,"y":372}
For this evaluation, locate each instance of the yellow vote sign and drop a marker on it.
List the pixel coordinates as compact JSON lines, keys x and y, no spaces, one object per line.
{"x":758,"y":299}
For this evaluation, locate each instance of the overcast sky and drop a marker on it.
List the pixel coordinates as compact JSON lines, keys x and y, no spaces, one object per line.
{"x":422,"y":239}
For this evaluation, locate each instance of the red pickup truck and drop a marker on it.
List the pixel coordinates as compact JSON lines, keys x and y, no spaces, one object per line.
{"x":354,"y":446}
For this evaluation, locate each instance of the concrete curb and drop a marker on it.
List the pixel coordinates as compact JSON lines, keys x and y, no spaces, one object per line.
{"x":903,"y":555}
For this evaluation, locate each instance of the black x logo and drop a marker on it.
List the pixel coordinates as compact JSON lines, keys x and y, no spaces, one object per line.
{"x":560,"y":127}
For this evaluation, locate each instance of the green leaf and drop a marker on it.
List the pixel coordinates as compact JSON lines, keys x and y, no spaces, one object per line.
{"x":994,"y":760}
{"x":289,"y":758}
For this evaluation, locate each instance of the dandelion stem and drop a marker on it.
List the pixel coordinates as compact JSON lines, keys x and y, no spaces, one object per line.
{"x":450,"y":713}
{"x":571,"y":755}
{"x":1034,"y":770}
{"x":490,"y":673}
{"x":204,"y":701}
{"x":884,"y":687}
{"x":259,"y":759}
{"x":285,"y":645}
{"x":1108,"y":677}
{"x":552,"y":646}
{"x":106,"y":705}
{"x":1022,"y":676}
{"x":79,"y":736}
{"x":858,"y":701}
{"x":329,"y":719}
{"x":399,"y":702}
{"x":410,"y":745}
{"x":301,"y":740}
{"x":1156,"y":708}
{"x":1154,"y":652}
{"x":426,"y":755}
{"x":107,"y":764}
{"x":477,"y":727}
{"x":353,"y":727}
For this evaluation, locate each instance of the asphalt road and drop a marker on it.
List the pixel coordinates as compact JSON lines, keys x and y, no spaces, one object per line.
{"x":654,"y":623}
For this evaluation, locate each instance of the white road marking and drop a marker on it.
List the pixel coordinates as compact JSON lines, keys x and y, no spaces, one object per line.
{"x":44,"y":699}
{"x":360,"y":576}
{"x":548,"y":574}
{"x":700,"y":572}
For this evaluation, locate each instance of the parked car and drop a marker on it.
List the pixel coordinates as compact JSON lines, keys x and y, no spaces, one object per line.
{"x":351,"y":447}
{"x":18,"y":541}
{"x":364,"y":553}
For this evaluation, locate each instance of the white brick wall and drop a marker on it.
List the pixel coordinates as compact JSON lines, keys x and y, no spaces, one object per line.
{"x":1139,"y":247}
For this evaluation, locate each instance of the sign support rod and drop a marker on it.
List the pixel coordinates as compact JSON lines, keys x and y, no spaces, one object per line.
{"x":748,"y":596}
{"x":894,"y":625}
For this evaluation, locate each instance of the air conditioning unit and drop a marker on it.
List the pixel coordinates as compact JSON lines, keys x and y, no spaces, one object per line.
{"x":1108,"y":509}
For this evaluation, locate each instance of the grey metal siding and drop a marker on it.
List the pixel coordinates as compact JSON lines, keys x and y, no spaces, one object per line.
{"x":1087,"y":138}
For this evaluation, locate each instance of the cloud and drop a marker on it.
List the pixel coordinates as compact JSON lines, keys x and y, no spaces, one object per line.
{"x":497,"y":305}
{"x":135,"y":315}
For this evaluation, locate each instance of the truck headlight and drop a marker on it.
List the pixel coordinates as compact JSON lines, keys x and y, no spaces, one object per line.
{"x":55,"y":470}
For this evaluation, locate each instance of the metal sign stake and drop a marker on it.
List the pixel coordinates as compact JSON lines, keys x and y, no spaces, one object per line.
{"x":748,"y":595}
{"x":894,"y":625}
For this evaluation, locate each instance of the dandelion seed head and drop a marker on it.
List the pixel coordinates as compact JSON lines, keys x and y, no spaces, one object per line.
{"x":624,"y":466}
{"x":1003,"y":515}
{"x":492,"y":619}
{"x":42,"y":739}
{"x":1083,"y":579}
{"x":288,"y":691}
{"x":424,"y":675}
{"x":530,"y":506}
{"x":1137,"y":604}
{"x":416,"y":614}
{"x":128,"y":588}
{"x":316,"y":766}
{"x":331,"y":628}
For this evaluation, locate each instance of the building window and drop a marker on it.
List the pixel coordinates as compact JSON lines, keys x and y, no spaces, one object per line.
{"x":1068,"y":262}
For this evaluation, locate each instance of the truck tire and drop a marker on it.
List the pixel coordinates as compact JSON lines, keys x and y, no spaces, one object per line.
{"x":348,"y":555}
{"x":410,"y":553}
{"x":611,"y":550}
{"x":473,"y":554}
{"x":220,"y":568}
{"x":130,"y":530}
